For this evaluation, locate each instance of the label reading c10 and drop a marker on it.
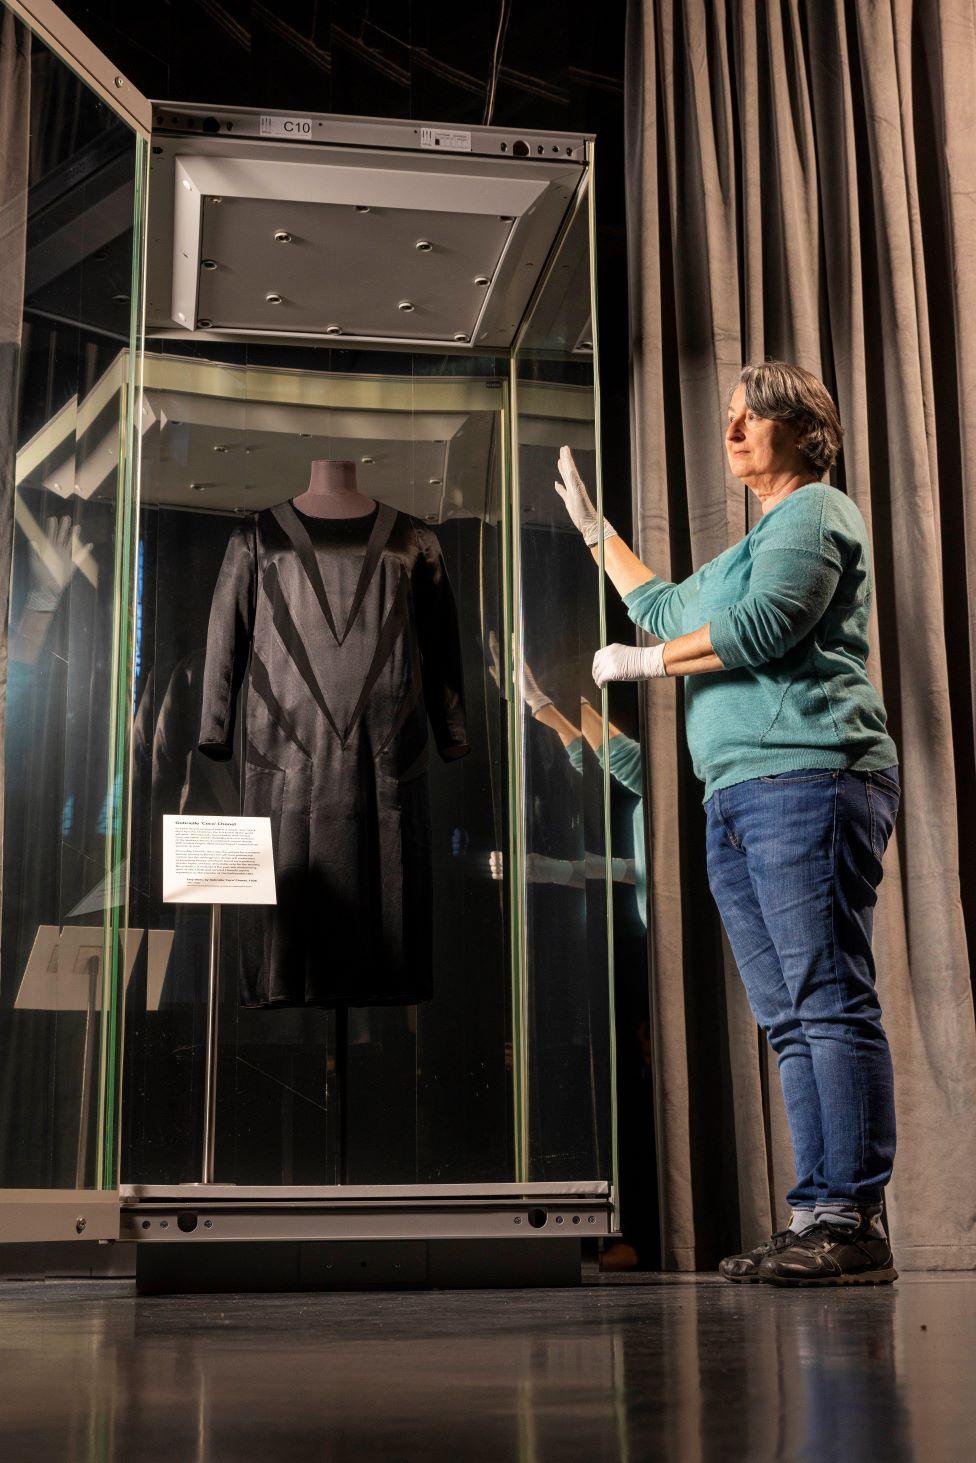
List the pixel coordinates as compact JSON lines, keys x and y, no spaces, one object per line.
{"x":299,"y":127}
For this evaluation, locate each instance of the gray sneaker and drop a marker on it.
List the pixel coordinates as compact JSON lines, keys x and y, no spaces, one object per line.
{"x":745,"y":1267}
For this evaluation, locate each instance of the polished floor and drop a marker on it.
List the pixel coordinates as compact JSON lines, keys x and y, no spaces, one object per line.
{"x":619,"y":1371}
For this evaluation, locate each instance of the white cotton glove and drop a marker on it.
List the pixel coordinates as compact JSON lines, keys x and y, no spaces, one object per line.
{"x":577,"y":501}
{"x":628,"y":663}
{"x":53,"y":562}
{"x":532,"y":694}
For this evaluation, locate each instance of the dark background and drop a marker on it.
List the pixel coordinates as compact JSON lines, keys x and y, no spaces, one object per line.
{"x":531,"y":63}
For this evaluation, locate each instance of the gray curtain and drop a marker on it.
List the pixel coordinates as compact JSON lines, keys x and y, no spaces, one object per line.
{"x":14,"y":141}
{"x":803,"y":185}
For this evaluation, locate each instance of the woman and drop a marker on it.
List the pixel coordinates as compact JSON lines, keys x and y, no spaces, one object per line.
{"x":801,"y":793}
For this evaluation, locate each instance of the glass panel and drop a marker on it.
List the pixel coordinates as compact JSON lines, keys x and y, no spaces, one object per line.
{"x":564,"y":1052}
{"x":65,"y":793}
{"x":360,"y":1092}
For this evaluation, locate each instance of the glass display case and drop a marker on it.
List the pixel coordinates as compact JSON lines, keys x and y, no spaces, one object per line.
{"x":416,"y":1041}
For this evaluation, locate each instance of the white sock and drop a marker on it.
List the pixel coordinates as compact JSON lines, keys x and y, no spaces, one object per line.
{"x":800,"y":1220}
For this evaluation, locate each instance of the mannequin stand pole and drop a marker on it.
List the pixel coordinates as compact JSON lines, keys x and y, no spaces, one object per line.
{"x":212,"y":1051}
{"x":341,"y":1072}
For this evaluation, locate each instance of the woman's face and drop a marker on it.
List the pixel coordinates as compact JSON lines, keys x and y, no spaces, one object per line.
{"x":755,"y":445}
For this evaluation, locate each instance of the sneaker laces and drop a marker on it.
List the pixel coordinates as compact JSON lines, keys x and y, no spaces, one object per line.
{"x":818,"y":1237}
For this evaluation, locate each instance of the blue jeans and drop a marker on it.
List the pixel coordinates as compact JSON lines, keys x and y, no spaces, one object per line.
{"x":794,"y":863}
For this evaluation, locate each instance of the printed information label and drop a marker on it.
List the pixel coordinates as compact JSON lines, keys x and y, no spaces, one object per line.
{"x":217,"y":861}
{"x":445,"y":139}
{"x":300,"y":127}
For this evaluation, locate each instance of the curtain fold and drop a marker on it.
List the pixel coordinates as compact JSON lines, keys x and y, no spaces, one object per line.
{"x":14,"y":143}
{"x":802,"y":185}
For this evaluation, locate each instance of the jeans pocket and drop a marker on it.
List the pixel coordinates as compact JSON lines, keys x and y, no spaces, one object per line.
{"x":886,"y":782}
{"x":884,"y":800}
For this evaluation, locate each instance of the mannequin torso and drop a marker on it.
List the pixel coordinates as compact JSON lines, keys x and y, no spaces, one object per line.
{"x":332,"y":492}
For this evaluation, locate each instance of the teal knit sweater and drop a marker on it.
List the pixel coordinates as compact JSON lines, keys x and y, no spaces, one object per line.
{"x":788,"y":607}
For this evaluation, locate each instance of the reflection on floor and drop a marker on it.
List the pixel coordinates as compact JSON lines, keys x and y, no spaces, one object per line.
{"x":647,"y":1367}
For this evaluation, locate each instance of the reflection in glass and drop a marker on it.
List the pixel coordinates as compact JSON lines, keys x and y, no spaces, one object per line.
{"x":566,"y":1066}
{"x":64,"y":788}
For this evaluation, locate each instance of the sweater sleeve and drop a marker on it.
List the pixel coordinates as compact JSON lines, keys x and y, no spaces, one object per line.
{"x":625,"y":763}
{"x":795,"y":570}
{"x":659,"y":606}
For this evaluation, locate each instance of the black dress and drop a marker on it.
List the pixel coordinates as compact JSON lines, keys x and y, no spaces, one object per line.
{"x":346,"y":633}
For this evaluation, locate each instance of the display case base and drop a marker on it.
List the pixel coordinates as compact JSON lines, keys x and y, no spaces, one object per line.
{"x":356,"y":1265}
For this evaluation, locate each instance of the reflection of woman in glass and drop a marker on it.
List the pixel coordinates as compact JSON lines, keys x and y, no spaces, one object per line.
{"x":801,"y":793}
{"x":625,"y":767}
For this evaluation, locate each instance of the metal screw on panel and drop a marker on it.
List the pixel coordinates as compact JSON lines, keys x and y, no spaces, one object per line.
{"x":81,"y":1224}
{"x":282,"y":236}
{"x":405,"y":305}
{"x":333,"y":330}
{"x":576,"y":1219}
{"x":197,"y":487}
{"x":559,"y":1219}
{"x":481,"y":280}
{"x":363,"y":208}
{"x":460,"y":335}
{"x":120,"y":81}
{"x":518,"y":1219}
{"x":208,"y":264}
{"x":367,"y":459}
{"x":214,"y":199}
{"x":208,"y":1224}
{"x":273,"y":298}
{"x":424,"y":246}
{"x":435,"y":482}
{"x":204,"y":323}
{"x":145,"y":1224}
{"x":219,"y":448}
{"x":164,"y":1224}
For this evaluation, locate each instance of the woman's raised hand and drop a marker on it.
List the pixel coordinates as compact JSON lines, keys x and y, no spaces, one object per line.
{"x":578,"y":505}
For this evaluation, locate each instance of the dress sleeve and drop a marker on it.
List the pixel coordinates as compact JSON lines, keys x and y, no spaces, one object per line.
{"x":439,"y":638}
{"x":228,"y":643}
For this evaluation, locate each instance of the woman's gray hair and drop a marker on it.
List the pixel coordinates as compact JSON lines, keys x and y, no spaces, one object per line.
{"x":780,"y":392}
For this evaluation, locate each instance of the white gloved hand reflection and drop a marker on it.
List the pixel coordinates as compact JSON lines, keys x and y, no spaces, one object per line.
{"x":532,"y":694}
{"x":53,"y":562}
{"x":578,"y":505}
{"x":628,"y":663}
